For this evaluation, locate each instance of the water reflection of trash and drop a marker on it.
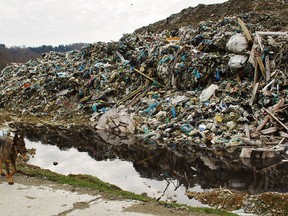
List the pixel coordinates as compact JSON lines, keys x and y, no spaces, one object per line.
{"x":175,"y":181}
{"x":117,"y":139}
{"x":207,"y":167}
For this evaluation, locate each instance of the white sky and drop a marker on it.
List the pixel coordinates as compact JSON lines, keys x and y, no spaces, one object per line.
{"x":55,"y":22}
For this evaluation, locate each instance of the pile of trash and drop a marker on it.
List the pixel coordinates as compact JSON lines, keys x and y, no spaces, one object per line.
{"x":216,"y":84}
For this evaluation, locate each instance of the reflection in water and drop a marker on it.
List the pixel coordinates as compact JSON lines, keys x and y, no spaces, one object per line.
{"x":116,"y":171}
{"x":143,"y":165}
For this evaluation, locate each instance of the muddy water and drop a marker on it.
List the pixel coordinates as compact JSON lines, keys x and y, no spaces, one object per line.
{"x":115,"y":171}
{"x":153,"y":168}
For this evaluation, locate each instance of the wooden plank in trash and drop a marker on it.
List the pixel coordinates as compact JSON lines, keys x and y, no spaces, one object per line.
{"x":283,"y":134}
{"x":272,"y":33}
{"x":267,"y":118}
{"x":261,"y":65}
{"x":173,"y":39}
{"x":138,"y":96}
{"x":269,"y":130}
{"x":259,"y":41}
{"x":267,"y":66}
{"x":258,"y":153}
{"x":273,"y":116}
{"x":252,"y":55}
{"x":256,"y":75}
{"x":245,"y":31}
{"x":247,"y":132}
{"x":254,"y":92}
{"x":147,"y":77}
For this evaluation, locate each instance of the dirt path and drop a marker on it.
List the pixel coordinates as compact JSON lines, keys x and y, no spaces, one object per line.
{"x":34,"y":196}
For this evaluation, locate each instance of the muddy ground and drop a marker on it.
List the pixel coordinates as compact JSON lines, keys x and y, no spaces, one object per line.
{"x":23,"y":182}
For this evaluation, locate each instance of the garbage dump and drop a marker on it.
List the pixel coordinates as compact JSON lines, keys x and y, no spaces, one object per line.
{"x":218,"y":84}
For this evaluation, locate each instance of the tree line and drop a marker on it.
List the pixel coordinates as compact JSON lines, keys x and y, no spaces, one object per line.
{"x":24,"y":54}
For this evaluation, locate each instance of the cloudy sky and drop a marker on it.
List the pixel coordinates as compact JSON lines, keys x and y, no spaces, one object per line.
{"x":55,"y":22}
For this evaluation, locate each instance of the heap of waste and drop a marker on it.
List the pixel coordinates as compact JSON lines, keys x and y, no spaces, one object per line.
{"x":216,"y":84}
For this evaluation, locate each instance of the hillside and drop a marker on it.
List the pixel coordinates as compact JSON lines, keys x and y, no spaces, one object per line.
{"x":146,"y":69}
{"x":271,"y":14}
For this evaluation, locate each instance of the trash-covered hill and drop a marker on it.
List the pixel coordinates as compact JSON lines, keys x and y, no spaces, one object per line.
{"x":220,"y":82}
{"x":272,"y":14}
{"x":212,"y":90}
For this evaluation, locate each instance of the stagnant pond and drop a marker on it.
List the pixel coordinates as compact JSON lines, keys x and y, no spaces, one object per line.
{"x":115,"y":171}
{"x":164,"y":172}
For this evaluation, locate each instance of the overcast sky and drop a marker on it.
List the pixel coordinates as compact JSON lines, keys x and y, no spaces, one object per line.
{"x":55,"y":22}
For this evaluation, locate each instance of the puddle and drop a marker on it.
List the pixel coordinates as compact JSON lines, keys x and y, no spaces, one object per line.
{"x":116,"y":171}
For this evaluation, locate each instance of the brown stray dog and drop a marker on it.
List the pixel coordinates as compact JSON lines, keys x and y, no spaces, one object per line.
{"x":9,"y":150}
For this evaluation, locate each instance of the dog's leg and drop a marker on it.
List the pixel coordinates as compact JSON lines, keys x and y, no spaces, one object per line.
{"x":8,"y":175}
{"x":13,"y":168}
{"x":1,"y":171}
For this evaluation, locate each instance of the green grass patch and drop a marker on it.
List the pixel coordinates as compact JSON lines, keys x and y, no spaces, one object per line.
{"x":84,"y":181}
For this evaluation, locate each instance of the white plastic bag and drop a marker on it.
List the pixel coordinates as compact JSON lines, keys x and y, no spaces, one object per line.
{"x":237,"y":44}
{"x":208,"y":92}
{"x":237,"y":61}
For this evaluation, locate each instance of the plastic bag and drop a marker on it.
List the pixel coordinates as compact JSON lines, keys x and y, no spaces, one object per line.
{"x":237,"y":61}
{"x":237,"y":44}
{"x":208,"y":92}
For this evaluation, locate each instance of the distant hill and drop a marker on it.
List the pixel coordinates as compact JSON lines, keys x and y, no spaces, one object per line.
{"x":23,"y":54}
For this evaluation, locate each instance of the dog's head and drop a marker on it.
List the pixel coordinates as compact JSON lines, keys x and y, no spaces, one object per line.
{"x":19,"y":144}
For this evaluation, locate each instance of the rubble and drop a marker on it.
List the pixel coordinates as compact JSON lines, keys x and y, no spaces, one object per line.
{"x":195,"y":87}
